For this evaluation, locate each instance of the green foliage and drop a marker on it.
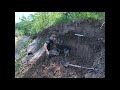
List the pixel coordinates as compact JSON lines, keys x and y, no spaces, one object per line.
{"x":22,"y":53}
{"x":37,"y":22}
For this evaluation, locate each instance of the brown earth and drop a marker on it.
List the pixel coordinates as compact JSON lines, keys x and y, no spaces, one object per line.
{"x":85,"y":51}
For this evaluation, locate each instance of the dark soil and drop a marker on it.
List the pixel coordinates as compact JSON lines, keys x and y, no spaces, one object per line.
{"x":84,"y":51}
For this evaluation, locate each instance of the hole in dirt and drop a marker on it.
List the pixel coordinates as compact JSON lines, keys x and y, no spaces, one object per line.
{"x":83,"y":52}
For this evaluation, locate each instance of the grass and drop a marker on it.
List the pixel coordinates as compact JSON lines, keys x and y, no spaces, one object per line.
{"x":44,"y":20}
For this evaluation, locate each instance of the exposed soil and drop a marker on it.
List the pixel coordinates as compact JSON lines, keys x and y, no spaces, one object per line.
{"x":85,"y":51}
